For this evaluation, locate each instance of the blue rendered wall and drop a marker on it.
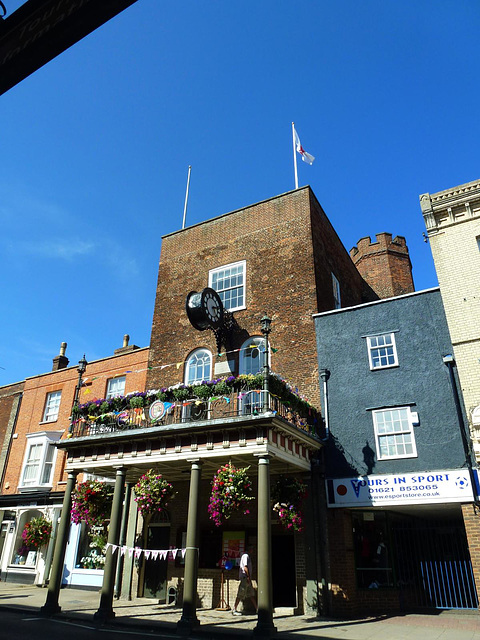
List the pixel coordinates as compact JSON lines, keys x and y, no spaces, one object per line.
{"x":421,"y":377}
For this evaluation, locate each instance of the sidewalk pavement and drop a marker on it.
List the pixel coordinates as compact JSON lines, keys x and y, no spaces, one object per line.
{"x":150,"y":617}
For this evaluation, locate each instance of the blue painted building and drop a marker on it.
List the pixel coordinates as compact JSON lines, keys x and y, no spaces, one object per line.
{"x":399,"y":477}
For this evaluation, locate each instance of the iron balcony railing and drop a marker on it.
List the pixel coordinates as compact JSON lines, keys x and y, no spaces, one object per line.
{"x":238,"y":404}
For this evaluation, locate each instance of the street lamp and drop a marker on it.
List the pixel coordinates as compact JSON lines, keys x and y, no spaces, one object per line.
{"x":82,"y":367}
{"x":265,"y":327}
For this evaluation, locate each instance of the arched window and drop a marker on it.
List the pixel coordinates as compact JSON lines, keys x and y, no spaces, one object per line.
{"x":21,"y":553}
{"x":251,"y":355}
{"x":199,"y":366}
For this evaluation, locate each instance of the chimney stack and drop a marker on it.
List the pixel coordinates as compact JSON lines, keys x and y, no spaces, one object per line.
{"x":60,"y":361}
{"x":126,"y":348}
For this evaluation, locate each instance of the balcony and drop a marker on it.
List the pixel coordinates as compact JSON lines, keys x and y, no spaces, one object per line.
{"x":184,"y":405}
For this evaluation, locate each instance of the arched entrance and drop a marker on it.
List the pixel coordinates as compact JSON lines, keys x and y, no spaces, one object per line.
{"x":155,"y":571}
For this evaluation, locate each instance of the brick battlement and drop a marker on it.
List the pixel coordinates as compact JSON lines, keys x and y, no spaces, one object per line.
{"x":384,"y":264}
{"x":383,"y":241}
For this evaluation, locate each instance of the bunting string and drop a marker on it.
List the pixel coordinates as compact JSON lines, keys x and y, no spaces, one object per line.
{"x":164,"y":366}
{"x":155,"y":554}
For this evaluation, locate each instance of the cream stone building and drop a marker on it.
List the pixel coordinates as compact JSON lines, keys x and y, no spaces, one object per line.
{"x":452,"y":219}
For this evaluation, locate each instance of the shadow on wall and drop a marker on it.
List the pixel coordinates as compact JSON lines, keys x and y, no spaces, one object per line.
{"x":340,"y":463}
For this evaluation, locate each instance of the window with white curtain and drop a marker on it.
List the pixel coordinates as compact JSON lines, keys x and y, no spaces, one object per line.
{"x":39,"y":460}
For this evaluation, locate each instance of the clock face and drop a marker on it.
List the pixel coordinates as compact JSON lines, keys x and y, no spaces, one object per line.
{"x":213,"y":307}
{"x":204,"y":309}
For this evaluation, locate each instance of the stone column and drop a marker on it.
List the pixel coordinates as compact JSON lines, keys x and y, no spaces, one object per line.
{"x":105,"y":610}
{"x":51,"y":606}
{"x":122,"y":538}
{"x":189,"y":620}
{"x":129,"y":562}
{"x":265,"y":626}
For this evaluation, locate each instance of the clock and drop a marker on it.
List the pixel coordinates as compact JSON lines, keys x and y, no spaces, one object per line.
{"x":204,"y":309}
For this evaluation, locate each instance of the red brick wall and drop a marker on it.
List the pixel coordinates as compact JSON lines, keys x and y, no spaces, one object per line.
{"x":384,"y":264}
{"x":471,"y":518}
{"x":10,"y":397}
{"x":30,"y":417}
{"x":290,"y":250}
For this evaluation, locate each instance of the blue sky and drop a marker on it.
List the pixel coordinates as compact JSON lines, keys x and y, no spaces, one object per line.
{"x":95,"y":146}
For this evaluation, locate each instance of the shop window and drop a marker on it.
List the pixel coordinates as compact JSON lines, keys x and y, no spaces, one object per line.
{"x":115,"y":387}
{"x":52,"y":405}
{"x":229,"y":282}
{"x":91,"y":547}
{"x":382,"y":351}
{"x":23,"y":555}
{"x":373,"y":557}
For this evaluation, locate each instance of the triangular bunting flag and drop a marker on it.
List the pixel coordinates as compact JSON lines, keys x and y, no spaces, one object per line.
{"x":183,"y":552}
{"x":147,"y":553}
{"x":155,"y":555}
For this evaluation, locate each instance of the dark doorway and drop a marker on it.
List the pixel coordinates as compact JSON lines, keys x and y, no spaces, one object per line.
{"x":434,"y":566}
{"x":283,"y":571}
{"x":155,"y":583}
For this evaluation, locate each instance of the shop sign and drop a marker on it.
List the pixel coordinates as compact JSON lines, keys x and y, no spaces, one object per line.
{"x":424,"y":487}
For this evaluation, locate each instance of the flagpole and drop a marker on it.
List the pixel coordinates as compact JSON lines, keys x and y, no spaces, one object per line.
{"x":186,"y":197}
{"x":294,"y":156}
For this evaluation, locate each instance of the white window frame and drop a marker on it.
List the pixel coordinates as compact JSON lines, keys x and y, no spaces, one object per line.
{"x":246,"y":353}
{"x":387,"y":350}
{"x":52,"y":406}
{"x":188,"y":365}
{"x":112,"y":382}
{"x":398,"y":428}
{"x":221,"y":291}
{"x":43,"y":442}
{"x":336,"y":292}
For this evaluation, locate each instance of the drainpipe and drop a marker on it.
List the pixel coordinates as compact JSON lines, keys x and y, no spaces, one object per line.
{"x":449,"y":361}
{"x":325,"y":375}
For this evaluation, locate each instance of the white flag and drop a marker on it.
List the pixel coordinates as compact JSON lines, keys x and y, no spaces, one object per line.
{"x":306,"y":157}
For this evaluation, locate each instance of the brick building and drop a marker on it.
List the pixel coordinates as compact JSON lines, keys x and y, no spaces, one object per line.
{"x":452,"y":219}
{"x":33,"y":481}
{"x":279,"y":257}
{"x":10,"y":399}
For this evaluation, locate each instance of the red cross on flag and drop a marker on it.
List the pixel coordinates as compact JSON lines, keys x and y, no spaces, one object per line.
{"x":306,"y":157}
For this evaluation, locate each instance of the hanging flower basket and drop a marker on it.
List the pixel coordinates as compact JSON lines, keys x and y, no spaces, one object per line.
{"x":231,"y":491}
{"x":37,"y":532}
{"x":287,"y":495}
{"x":91,"y":503}
{"x":152,"y":493}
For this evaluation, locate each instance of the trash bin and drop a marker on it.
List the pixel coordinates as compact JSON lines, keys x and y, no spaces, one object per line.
{"x":172,"y":596}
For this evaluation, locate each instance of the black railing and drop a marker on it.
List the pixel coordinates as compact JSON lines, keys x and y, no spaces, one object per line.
{"x":225,"y":407}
